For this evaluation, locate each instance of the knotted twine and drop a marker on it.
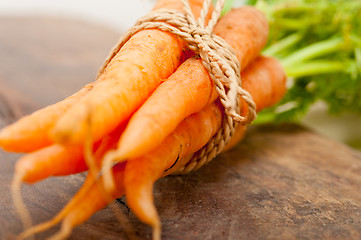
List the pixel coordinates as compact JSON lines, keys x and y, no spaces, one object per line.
{"x":218,"y":58}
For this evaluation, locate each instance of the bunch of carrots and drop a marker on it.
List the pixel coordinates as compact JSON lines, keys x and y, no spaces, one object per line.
{"x":149,"y":111}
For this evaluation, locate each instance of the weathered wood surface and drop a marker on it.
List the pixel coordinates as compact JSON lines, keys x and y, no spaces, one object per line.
{"x":281,"y":182}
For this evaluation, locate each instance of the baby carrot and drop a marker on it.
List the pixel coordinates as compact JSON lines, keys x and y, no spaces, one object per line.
{"x":131,"y":76}
{"x":30,"y":133}
{"x":190,"y":88}
{"x":192,"y":133}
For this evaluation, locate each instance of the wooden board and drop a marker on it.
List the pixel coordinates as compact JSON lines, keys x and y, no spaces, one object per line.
{"x":281,"y":182}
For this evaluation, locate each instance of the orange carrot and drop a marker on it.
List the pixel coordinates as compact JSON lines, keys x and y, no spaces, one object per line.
{"x":190,"y":88}
{"x":194,"y":132}
{"x":142,"y":172}
{"x":89,"y":199}
{"x":55,"y":160}
{"x":131,"y":76}
{"x":31,"y":132}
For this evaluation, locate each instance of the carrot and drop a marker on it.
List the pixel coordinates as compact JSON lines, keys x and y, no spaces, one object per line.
{"x":130,"y":77}
{"x":190,"y":88}
{"x":31,"y":132}
{"x":55,"y":160}
{"x":192,"y":133}
{"x":89,"y":199}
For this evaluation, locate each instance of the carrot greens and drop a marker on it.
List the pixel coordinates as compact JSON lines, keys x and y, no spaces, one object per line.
{"x":319,"y":45}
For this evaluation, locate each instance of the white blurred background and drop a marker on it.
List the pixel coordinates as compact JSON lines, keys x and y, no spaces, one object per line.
{"x":116,"y":14}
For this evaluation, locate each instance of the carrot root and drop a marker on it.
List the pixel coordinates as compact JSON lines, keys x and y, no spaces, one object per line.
{"x":65,"y":231}
{"x":93,"y":199}
{"x":19,"y":204}
{"x":106,"y":170}
{"x":60,"y":216}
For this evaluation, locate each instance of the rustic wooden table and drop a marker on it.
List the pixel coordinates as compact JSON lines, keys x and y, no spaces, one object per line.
{"x":281,"y":182}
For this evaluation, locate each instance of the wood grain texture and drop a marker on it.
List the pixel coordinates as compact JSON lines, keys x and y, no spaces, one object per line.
{"x":281,"y":182}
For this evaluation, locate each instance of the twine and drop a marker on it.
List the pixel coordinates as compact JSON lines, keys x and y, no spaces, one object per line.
{"x":217,"y":57}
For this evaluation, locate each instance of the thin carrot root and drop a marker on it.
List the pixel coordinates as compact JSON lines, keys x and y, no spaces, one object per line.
{"x":89,"y":199}
{"x":90,"y":202}
{"x":46,"y":225}
{"x":105,"y":150}
{"x":106,"y":171}
{"x":89,"y":153}
{"x":19,"y":203}
{"x":65,"y":231}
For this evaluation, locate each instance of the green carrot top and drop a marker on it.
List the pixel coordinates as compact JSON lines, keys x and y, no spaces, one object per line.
{"x":319,"y":45}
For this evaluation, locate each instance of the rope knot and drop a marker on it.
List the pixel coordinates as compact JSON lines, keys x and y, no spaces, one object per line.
{"x":198,"y":32}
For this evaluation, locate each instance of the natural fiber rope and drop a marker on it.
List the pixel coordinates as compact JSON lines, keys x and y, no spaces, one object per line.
{"x":217,"y":57}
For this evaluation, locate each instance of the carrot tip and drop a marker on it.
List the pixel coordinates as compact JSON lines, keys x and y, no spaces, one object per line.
{"x":4,"y":133}
{"x":110,"y":159}
{"x":108,"y":177}
{"x":157,"y":231}
{"x":64,"y":232}
{"x":4,"y":138}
